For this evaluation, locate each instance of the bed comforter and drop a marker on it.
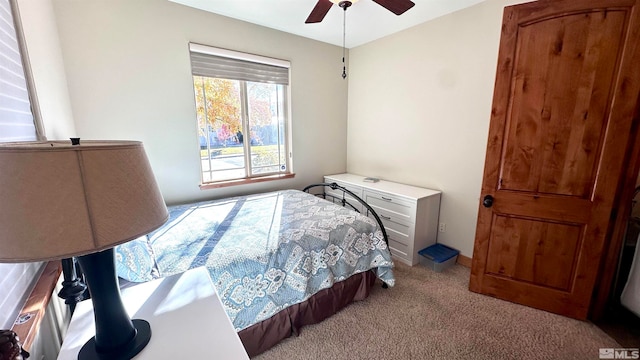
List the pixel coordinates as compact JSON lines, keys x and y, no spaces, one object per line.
{"x":264,"y":252}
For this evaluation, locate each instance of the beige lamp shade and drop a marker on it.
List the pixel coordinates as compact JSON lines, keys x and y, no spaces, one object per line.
{"x":59,"y":200}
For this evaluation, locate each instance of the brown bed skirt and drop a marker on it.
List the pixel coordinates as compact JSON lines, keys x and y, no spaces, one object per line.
{"x":262,"y":336}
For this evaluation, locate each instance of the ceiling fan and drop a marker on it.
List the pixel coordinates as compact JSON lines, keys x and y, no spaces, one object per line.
{"x":322,"y":7}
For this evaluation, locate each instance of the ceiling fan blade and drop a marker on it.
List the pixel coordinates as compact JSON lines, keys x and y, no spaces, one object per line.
{"x":319,"y":11}
{"x":397,"y":7}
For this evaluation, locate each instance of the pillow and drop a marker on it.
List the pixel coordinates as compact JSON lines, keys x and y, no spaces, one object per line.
{"x":135,"y":261}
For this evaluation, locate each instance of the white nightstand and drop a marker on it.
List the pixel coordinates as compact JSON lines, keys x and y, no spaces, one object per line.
{"x":186,"y":317}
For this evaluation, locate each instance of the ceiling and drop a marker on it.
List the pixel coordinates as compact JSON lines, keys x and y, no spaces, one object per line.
{"x":365,"y":20}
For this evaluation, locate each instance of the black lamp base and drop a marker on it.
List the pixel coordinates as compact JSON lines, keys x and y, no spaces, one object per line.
{"x":126,"y":352}
{"x":117,"y":336}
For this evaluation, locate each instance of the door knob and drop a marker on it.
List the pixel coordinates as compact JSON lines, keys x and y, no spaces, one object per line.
{"x":487,"y":201}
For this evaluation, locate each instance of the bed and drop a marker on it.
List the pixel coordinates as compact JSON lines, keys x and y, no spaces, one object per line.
{"x":279,"y":260}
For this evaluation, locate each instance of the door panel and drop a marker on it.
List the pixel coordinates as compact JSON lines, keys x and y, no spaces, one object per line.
{"x":566,"y":89}
{"x":538,"y":252}
{"x":560,"y":96}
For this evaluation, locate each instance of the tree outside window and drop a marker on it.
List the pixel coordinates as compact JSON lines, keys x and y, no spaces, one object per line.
{"x":241,"y":127}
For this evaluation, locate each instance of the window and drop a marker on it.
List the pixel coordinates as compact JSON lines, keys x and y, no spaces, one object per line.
{"x":242,"y":107}
{"x":18,"y":122}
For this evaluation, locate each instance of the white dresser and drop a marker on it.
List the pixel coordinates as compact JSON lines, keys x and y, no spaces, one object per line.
{"x":409,"y":213}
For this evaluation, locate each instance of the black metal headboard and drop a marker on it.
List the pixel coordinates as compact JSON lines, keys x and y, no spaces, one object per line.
{"x":345,"y":203}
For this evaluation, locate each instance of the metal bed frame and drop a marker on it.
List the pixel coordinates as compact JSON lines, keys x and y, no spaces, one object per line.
{"x":345,"y":203}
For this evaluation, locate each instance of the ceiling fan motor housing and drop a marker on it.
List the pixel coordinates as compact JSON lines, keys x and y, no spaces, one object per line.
{"x":345,"y":4}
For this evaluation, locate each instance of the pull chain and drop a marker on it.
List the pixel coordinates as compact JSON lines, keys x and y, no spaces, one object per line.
{"x":344,"y":36}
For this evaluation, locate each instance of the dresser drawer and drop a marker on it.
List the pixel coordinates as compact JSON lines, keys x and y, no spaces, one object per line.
{"x":390,"y":216}
{"x":399,"y":249}
{"x":354,"y":189}
{"x":391,"y":206}
{"x":338,"y":201}
{"x":398,"y":232}
{"x":336,"y":195}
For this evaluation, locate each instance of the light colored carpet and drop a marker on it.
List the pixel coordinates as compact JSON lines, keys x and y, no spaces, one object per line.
{"x":430,"y":315}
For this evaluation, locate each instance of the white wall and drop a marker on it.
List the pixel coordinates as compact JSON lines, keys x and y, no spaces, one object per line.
{"x":47,"y":66}
{"x":128,"y":73}
{"x":419,"y":107}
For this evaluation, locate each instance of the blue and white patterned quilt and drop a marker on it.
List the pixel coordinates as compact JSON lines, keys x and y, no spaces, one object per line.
{"x":264,"y":252}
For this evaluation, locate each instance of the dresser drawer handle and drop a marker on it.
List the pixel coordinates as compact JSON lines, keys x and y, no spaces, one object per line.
{"x":384,"y":198}
{"x":385,"y":217}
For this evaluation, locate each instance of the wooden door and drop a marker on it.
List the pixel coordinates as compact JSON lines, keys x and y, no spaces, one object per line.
{"x":567,"y":86}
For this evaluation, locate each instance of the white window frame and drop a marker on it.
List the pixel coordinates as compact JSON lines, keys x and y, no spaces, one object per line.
{"x":287,"y":143}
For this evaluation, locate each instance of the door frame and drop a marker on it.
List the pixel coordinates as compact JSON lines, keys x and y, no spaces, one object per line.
{"x":602,"y":293}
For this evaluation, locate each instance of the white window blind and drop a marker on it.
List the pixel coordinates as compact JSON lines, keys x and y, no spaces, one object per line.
{"x":16,"y":117}
{"x":16,"y":283}
{"x":227,"y":64}
{"x":16,"y":124}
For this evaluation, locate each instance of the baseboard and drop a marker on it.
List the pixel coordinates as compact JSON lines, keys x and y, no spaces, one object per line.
{"x":464,"y":261}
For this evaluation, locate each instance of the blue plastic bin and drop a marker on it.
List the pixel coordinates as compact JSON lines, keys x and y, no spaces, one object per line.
{"x":438,"y":257}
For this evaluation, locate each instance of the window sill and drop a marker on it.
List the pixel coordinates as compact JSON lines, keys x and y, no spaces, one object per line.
{"x":36,"y":305}
{"x":221,"y":184}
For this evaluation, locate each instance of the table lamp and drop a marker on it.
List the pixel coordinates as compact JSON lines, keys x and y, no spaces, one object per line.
{"x":59,"y":200}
